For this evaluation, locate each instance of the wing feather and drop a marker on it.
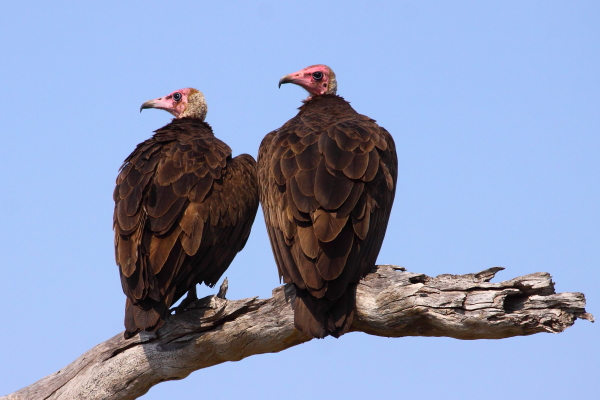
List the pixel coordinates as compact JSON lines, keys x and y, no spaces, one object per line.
{"x":183,"y":210}
{"x":342,"y":175}
{"x":330,"y":191}
{"x":335,"y":157}
{"x":160,"y":249}
{"x":326,"y":225}
{"x":308,"y":241}
{"x":302,"y":202}
{"x":332,"y":260}
{"x":306,"y":182}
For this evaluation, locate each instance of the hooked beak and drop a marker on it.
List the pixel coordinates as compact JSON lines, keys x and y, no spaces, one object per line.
{"x":161,"y":103}
{"x":148,"y":104}
{"x":286,"y":79}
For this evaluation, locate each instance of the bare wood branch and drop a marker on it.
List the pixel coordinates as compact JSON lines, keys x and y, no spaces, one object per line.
{"x":390,"y":302}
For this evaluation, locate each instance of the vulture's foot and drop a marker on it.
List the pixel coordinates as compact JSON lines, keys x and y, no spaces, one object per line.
{"x":191,"y":297}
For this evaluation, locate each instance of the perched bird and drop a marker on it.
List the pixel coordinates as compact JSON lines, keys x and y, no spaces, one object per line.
{"x":327,"y":180}
{"x":183,"y":210}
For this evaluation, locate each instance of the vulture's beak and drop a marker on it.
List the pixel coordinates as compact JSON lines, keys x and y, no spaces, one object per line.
{"x":148,"y":104}
{"x":162,"y":103}
{"x":286,"y":79}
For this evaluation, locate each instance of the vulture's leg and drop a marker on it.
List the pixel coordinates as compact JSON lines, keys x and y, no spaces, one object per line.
{"x":191,"y":297}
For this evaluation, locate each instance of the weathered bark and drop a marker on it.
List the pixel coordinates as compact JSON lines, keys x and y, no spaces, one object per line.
{"x":390,"y":302}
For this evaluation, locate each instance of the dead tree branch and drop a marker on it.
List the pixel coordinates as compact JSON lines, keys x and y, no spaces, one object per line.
{"x":390,"y":302}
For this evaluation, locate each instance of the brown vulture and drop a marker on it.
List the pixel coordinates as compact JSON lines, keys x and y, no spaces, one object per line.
{"x":327,"y":181}
{"x":183,"y":210}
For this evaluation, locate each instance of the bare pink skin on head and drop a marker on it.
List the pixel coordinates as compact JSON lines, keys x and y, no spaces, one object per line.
{"x":177,"y":102}
{"x":316,"y":79}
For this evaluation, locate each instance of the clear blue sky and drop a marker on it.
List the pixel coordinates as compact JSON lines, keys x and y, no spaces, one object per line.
{"x":495,"y":109}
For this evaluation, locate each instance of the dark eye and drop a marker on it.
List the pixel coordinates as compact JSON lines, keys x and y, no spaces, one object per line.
{"x":177,"y":96}
{"x":317,"y":75}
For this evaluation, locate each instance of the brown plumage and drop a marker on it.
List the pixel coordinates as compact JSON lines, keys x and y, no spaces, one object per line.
{"x":183,"y":210}
{"x":327,"y":180}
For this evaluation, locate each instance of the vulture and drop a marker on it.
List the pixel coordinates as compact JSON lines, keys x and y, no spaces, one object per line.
{"x":327,"y":180}
{"x":183,"y":210}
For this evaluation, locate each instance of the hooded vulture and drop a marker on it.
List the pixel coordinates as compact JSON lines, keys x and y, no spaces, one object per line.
{"x":183,"y":210}
{"x":327,"y":181}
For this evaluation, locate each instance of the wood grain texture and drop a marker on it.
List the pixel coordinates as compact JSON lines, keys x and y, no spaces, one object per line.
{"x":390,"y":302}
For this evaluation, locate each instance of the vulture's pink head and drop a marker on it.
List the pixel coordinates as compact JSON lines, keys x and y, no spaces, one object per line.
{"x":181,"y":103}
{"x":316,"y":79}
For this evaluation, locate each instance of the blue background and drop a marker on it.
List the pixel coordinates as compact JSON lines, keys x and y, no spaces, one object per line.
{"x":494,"y":107}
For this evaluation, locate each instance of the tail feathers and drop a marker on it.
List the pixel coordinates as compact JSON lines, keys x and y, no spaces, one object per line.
{"x":305,"y":321}
{"x":138,"y":319}
{"x":323,"y":317}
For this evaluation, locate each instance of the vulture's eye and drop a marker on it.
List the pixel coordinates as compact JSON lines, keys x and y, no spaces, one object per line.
{"x":317,"y":75}
{"x":177,"y":96}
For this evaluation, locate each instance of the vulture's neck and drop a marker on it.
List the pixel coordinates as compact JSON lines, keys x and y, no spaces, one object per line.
{"x":186,"y":126}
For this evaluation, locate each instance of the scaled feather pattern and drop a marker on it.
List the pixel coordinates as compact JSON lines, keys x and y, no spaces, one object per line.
{"x":183,"y":209}
{"x":327,"y":180}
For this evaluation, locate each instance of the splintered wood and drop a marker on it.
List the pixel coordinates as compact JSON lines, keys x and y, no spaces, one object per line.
{"x":389,"y":302}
